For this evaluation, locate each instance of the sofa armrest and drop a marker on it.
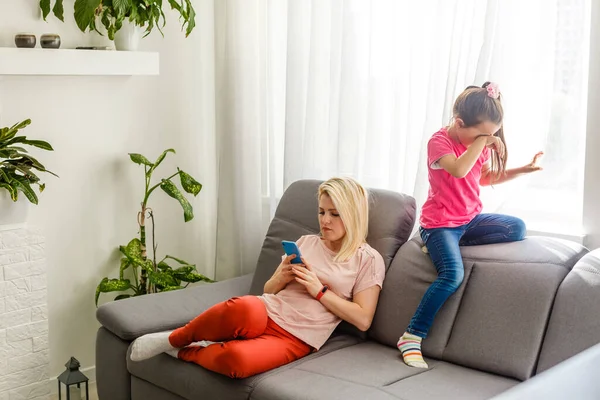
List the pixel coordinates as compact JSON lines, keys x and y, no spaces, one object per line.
{"x":136,"y":316}
{"x":575,"y":378}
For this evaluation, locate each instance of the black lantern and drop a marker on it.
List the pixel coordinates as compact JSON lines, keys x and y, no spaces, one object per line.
{"x":72,"y":376}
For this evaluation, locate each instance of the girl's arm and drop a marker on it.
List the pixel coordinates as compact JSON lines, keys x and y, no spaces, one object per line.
{"x":461,"y":166}
{"x":488,"y":178}
{"x":359,"y":312}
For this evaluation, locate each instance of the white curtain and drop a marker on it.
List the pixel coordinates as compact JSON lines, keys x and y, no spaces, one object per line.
{"x":317,"y":88}
{"x":539,"y":52}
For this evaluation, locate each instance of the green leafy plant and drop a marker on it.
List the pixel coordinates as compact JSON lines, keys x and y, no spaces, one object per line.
{"x":150,"y":276}
{"x":112,"y":14}
{"x":16,"y":166}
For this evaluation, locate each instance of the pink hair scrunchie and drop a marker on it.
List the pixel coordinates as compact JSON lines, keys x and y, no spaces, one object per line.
{"x":493,"y":90}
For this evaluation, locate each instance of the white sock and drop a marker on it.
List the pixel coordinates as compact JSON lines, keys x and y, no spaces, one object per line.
{"x":173,"y":353}
{"x":149,"y":345}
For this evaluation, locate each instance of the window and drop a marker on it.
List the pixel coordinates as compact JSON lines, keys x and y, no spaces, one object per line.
{"x":552,"y":201}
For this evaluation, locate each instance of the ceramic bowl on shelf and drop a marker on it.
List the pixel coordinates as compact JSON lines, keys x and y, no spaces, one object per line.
{"x":25,"y":40}
{"x":50,"y":41}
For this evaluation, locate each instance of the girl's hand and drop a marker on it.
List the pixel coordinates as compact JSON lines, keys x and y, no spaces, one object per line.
{"x":306,"y":276}
{"x":533,"y":165}
{"x":494,"y":143}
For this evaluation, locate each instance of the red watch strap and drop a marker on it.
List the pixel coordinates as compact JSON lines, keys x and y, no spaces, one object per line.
{"x":322,"y":292}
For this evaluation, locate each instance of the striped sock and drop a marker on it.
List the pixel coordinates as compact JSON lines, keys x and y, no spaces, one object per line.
{"x":410,"y":346}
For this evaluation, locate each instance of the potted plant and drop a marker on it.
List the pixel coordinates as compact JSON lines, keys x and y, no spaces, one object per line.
{"x":146,"y":274}
{"x":18,"y":173}
{"x":124,"y":20}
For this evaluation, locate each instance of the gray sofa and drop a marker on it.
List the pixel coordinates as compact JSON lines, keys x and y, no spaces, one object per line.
{"x":523,"y":308}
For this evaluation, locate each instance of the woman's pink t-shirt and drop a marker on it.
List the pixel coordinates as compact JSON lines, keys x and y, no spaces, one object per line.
{"x":451,"y":201}
{"x":302,"y":315}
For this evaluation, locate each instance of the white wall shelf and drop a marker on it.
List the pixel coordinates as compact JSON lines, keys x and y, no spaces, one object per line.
{"x":37,"y":61}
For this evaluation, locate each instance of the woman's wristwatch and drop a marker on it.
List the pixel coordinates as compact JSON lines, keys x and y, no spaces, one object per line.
{"x":322,"y":292}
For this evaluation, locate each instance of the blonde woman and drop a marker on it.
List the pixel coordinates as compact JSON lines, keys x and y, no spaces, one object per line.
{"x":340,"y":278}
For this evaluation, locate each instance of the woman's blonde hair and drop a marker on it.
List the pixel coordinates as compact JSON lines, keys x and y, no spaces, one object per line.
{"x":351,"y":201}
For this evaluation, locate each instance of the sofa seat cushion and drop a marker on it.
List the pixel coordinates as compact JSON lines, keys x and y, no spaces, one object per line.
{"x":449,"y":381}
{"x":372,"y":371}
{"x":298,"y":384}
{"x":191,"y":381}
{"x":367,"y":363}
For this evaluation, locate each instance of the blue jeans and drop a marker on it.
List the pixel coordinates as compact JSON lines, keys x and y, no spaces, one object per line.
{"x":443,"y":246}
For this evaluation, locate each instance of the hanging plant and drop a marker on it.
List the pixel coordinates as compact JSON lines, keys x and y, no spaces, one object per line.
{"x":147,"y":14}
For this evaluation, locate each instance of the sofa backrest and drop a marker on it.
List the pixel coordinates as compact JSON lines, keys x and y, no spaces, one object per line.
{"x":497,"y":320}
{"x":575,"y":321}
{"x":391,"y":220}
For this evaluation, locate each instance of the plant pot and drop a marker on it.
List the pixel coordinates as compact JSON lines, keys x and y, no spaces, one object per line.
{"x":25,"y":40}
{"x":12,"y":213}
{"x":50,"y":41}
{"x":128,"y":37}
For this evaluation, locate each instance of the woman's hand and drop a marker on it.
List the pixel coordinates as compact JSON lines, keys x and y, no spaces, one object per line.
{"x":305,"y":275}
{"x":533,"y":165}
{"x":283,"y":275}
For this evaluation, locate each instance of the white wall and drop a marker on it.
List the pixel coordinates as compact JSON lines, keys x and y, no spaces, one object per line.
{"x":93,"y":122}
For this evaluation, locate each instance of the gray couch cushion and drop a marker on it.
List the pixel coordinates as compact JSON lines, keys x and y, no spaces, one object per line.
{"x":407,"y":279}
{"x":505,"y":309}
{"x":131,"y":318}
{"x":299,"y":384}
{"x":448,"y":381}
{"x":191,"y":381}
{"x":497,"y":300}
{"x":575,"y":321}
{"x":391,"y":219}
{"x":368,"y":363}
{"x":372,"y":371}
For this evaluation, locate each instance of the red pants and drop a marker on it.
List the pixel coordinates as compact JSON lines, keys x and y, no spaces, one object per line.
{"x":253,"y":342}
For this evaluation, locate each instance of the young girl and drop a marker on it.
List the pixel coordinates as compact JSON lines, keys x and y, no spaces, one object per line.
{"x":339,"y":279}
{"x":461,"y":157}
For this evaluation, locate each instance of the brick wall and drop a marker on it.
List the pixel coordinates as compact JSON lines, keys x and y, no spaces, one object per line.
{"x":23,"y":316}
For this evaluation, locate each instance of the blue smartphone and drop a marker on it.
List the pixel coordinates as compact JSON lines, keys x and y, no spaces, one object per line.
{"x":292,"y":248}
